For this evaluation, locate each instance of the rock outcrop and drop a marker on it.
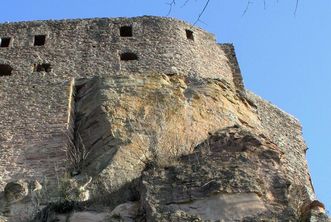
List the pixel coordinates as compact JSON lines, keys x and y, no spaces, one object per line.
{"x":175,"y":148}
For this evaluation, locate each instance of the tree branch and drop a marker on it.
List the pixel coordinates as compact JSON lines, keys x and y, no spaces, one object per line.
{"x":201,"y":13}
{"x":247,"y":6}
{"x":171,"y":5}
{"x":296,"y":7}
{"x":185,"y":3}
{"x":264,"y":5}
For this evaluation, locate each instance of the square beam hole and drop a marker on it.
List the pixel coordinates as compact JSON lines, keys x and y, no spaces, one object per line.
{"x":45,"y":67}
{"x":39,"y":40}
{"x":127,"y":56}
{"x":4,"y":42}
{"x":5,"y":70}
{"x":126,"y":31}
{"x":189,"y":34}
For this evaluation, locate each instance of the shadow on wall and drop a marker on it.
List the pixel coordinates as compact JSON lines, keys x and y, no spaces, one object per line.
{"x":93,"y":145}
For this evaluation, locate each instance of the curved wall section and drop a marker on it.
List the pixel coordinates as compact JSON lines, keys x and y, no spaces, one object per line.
{"x":93,"y":47}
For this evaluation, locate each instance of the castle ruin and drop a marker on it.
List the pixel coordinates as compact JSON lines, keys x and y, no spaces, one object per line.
{"x":57,"y":78}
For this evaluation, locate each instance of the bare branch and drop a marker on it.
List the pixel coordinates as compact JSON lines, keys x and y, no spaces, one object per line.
{"x":201,"y":13}
{"x":296,"y":7}
{"x":171,"y":5}
{"x":185,"y":3}
{"x":264,"y":5}
{"x":203,"y":22}
{"x":247,"y":6}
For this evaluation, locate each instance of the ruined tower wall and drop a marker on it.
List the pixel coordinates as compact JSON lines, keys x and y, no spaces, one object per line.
{"x":286,"y":132}
{"x":35,"y":96}
{"x":93,"y":47}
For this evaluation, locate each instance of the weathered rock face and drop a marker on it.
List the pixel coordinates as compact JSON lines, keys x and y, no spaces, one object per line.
{"x":153,"y":139}
{"x":232,"y":175}
{"x":15,"y":191}
{"x":125,"y":122}
{"x":190,"y":149}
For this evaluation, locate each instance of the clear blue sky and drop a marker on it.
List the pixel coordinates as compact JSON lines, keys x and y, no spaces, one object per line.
{"x":284,"y":58}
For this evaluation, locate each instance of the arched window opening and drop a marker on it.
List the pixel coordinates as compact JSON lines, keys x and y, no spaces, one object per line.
{"x":189,"y":34}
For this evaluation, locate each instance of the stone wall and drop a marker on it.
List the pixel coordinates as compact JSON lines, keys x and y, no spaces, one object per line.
{"x":33,"y":124}
{"x":93,"y":47}
{"x":285,"y":131}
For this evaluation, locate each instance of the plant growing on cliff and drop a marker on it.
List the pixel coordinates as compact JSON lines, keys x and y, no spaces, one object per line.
{"x":69,"y":189}
{"x":76,"y":152}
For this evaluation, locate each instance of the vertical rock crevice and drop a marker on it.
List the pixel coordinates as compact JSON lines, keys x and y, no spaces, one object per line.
{"x":88,"y":128}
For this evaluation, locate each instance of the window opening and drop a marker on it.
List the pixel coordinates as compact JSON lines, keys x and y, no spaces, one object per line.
{"x":45,"y":67}
{"x":39,"y":40}
{"x":126,"y":31}
{"x":128,"y":56}
{"x":189,"y":34}
{"x":5,"y":70}
{"x":4,"y":42}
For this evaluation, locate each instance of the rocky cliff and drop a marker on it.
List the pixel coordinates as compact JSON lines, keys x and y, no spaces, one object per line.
{"x":171,"y":145}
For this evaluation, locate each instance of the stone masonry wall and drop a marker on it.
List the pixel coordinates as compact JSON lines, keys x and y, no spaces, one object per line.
{"x":286,"y":132}
{"x":93,"y":47}
{"x":33,"y":121}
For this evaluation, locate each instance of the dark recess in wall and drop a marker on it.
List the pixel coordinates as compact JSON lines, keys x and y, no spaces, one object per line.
{"x":39,"y":40}
{"x":5,"y":70}
{"x":189,"y":34}
{"x":126,"y":56}
{"x":126,"y":31}
{"x":4,"y":42}
{"x":45,"y":67}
